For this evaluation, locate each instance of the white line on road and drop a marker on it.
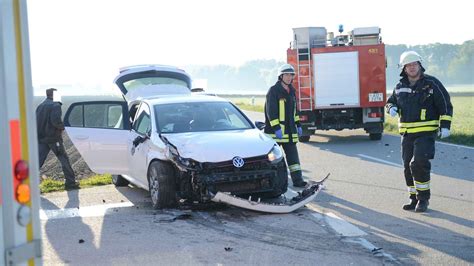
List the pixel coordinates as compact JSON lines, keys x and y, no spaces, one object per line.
{"x":455,"y":145}
{"x":347,"y":229}
{"x":339,"y":225}
{"x":379,"y":160}
{"x":89,"y":211}
{"x":378,"y":252}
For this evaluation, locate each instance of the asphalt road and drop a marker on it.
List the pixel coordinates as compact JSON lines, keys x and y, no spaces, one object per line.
{"x":357,"y":219}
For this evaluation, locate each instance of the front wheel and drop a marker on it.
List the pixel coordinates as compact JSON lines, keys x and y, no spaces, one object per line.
{"x":161,"y":185}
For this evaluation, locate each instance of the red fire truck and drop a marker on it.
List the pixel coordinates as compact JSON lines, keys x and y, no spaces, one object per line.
{"x":340,"y":80}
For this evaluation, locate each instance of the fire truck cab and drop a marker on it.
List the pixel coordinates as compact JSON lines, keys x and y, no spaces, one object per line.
{"x":340,"y":80}
{"x":20,"y":235}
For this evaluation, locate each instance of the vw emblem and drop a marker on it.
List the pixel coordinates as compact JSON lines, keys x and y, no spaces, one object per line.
{"x":238,"y":162}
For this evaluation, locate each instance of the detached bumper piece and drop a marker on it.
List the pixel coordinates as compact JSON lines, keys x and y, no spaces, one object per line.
{"x":286,"y":206}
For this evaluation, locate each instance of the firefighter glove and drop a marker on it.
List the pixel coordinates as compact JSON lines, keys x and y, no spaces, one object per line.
{"x":444,"y":133}
{"x":279,"y":134}
{"x":393,"y":111}
{"x":300,"y":131}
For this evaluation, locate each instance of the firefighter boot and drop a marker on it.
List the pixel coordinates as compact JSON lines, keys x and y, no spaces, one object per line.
{"x":411,"y":205}
{"x":422,"y":206}
{"x":300,"y":183}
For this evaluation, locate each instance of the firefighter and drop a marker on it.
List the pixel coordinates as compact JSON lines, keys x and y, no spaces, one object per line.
{"x":282,"y":120}
{"x":424,"y":109}
{"x":50,"y":127}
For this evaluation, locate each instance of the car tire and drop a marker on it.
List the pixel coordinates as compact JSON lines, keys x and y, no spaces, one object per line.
{"x":161,"y":184}
{"x":304,"y":138}
{"x":119,"y":181}
{"x":375,"y":136}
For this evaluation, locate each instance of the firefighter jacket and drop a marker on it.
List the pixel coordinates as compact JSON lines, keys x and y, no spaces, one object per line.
{"x":280,"y":113}
{"x":423,"y":107}
{"x":48,"y":122}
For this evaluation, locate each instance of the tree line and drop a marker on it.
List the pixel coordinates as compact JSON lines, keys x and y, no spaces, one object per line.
{"x":450,"y":63}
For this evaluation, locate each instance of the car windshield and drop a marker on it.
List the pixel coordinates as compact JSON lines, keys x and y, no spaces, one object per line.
{"x":199,"y":116}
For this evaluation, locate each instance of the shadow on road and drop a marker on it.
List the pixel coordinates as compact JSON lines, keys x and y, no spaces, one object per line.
{"x":71,"y":238}
{"x":427,"y":234}
{"x":450,"y":161}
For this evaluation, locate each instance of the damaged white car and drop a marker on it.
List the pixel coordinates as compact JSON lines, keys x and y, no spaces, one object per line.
{"x":178,"y":145}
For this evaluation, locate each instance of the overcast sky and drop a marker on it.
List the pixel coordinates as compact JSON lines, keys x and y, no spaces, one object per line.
{"x":84,"y":42}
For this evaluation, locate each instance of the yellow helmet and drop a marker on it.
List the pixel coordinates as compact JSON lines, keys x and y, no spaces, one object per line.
{"x":408,"y":57}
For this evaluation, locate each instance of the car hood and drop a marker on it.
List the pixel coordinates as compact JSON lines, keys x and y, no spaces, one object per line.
{"x":221,"y":146}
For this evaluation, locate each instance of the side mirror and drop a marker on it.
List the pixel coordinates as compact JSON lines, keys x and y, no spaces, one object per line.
{"x":260,"y":125}
{"x":140,"y":139}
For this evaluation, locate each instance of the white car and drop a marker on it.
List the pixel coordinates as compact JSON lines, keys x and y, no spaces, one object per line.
{"x":179,"y":145}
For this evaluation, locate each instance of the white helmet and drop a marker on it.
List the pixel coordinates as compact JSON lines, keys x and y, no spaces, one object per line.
{"x":408,"y":57}
{"x":286,"y":69}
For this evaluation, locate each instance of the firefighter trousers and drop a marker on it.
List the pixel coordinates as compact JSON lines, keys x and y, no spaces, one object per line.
{"x":417,"y":151}
{"x":60,"y":152}
{"x":293,"y":161}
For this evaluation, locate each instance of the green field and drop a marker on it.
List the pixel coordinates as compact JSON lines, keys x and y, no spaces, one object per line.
{"x":462,"y":127}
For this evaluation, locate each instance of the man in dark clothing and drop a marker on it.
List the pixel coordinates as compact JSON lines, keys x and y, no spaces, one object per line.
{"x":50,"y":127}
{"x":425,"y":108}
{"x":282,"y":121}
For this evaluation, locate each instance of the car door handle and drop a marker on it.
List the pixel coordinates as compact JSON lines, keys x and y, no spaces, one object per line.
{"x":82,"y":137}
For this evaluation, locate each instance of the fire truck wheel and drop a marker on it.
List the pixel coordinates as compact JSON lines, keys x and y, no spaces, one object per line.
{"x":119,"y":181}
{"x":304,"y":138}
{"x":161,"y":185}
{"x":375,"y":136}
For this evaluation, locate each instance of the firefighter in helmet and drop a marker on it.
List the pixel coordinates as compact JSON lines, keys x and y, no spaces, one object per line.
{"x":424,"y":109}
{"x":282,"y":120}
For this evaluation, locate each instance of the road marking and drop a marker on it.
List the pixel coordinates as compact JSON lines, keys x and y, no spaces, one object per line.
{"x":455,"y":145}
{"x":377,"y":252}
{"x":348,"y":230}
{"x":89,"y":211}
{"x":339,"y":225}
{"x":379,"y":160}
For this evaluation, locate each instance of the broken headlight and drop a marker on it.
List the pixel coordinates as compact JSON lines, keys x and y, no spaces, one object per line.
{"x":275,"y":155}
{"x":181,"y":162}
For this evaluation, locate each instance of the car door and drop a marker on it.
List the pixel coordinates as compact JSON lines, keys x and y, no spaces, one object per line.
{"x":100,"y":131}
{"x":139,"y":139}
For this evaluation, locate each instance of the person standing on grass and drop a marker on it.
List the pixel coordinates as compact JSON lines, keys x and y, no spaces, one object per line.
{"x":49,"y":128}
{"x":424,"y":109}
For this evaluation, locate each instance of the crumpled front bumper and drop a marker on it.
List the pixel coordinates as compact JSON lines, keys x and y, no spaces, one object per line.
{"x":257,"y":176}
{"x":287,"y":206}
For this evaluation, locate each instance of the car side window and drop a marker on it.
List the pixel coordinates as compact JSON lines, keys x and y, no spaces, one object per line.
{"x":142,"y":123}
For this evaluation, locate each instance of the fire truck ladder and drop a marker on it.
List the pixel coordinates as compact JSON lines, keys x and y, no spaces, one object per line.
{"x":303,"y":59}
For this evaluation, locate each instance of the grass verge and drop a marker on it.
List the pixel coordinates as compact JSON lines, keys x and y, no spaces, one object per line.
{"x":249,"y":107}
{"x":50,"y":185}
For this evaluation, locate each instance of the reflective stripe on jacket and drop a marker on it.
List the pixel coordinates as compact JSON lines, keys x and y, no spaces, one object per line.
{"x":423,"y":107}
{"x":280,"y":113}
